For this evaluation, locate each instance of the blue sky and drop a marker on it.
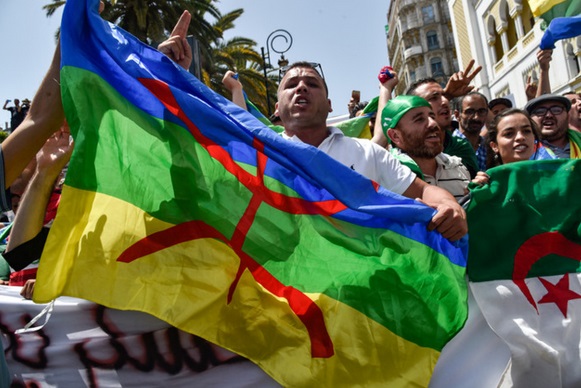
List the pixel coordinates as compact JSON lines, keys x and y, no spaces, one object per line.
{"x":347,"y":38}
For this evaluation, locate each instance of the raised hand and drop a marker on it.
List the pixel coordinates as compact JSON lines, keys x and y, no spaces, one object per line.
{"x":56,"y":152}
{"x":177,"y":47}
{"x":459,"y":84}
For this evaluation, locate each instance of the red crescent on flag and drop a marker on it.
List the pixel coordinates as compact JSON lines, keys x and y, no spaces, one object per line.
{"x":534,"y":249}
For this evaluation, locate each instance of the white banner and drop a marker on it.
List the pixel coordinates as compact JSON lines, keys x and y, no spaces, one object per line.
{"x":87,"y":345}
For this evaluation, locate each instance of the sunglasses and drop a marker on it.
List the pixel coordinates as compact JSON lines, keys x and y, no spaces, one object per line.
{"x":316,"y":66}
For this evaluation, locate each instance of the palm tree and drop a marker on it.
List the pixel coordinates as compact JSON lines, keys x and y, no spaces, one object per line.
{"x":152,"y":21}
{"x":237,"y":54}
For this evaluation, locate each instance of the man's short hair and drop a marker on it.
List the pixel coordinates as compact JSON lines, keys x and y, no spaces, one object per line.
{"x":309,"y":65}
{"x":461,"y":99}
{"x":417,"y":84}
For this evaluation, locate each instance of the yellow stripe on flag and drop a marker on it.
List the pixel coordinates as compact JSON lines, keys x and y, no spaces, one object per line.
{"x":539,"y":7}
{"x":187,"y":285}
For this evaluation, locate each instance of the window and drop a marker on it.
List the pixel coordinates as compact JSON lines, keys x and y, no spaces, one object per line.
{"x":412,"y":76}
{"x":436,"y":66}
{"x":428,"y":14}
{"x":432,"y":38}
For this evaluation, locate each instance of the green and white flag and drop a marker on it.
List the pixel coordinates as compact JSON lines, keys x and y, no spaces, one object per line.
{"x":524,"y":267}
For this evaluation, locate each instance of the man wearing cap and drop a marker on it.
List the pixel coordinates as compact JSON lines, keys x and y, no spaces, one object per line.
{"x":550,"y":112}
{"x":499,"y":105}
{"x":411,"y":125}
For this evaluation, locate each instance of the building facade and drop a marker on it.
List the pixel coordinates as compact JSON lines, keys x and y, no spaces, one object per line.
{"x":420,"y":41}
{"x":503,"y":37}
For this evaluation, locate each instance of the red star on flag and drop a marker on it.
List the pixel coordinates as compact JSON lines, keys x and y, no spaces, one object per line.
{"x":559,"y":293}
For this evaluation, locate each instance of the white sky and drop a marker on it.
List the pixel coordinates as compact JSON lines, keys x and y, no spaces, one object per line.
{"x":347,"y":38}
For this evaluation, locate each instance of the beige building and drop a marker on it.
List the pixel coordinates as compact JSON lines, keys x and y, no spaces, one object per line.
{"x":503,"y":37}
{"x":420,"y":41}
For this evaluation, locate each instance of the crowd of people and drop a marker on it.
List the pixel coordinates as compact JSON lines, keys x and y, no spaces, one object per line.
{"x":421,"y":147}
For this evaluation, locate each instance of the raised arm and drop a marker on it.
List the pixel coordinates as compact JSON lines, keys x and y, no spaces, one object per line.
{"x":385,"y":91}
{"x":44,"y":118}
{"x":544,"y":57}
{"x":459,"y":83}
{"x":177,"y":47}
{"x":231,"y":82}
{"x":5,"y":104}
{"x":50,"y":161}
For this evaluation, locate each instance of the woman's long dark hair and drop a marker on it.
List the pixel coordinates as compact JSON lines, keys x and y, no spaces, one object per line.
{"x":493,"y":159}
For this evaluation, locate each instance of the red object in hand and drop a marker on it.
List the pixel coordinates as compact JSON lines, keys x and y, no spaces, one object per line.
{"x":385,"y":74}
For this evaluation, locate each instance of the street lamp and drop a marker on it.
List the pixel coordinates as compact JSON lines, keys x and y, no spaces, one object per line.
{"x":282,"y":62}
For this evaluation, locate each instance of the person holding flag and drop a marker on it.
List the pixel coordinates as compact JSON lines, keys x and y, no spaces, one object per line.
{"x":303,"y":107}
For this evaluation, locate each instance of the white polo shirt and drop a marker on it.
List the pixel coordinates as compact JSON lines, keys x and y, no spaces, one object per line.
{"x":367,"y":158}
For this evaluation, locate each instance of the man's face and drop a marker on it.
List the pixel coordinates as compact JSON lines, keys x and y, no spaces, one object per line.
{"x":434,"y":93}
{"x":575,"y":111}
{"x":16,"y":101}
{"x":418,"y":134}
{"x":302,"y":99}
{"x":553,"y":125}
{"x":474,"y":114}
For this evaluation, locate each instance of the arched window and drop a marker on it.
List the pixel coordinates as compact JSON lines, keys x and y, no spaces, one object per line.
{"x":494,"y":40}
{"x":511,"y":34}
{"x":436,"y":66}
{"x":432,"y":39}
{"x":528,"y":20}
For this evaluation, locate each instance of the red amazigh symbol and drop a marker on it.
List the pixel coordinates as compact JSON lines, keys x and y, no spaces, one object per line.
{"x":559,"y":293}
{"x":307,"y":311}
{"x":534,"y":249}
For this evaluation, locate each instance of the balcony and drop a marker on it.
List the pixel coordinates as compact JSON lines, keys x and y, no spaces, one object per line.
{"x":512,"y":54}
{"x":406,"y":3}
{"x":528,"y":38}
{"x":414,"y":23}
{"x":413,"y":50}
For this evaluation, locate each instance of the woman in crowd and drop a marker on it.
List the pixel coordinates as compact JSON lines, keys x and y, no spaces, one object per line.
{"x":512,"y":137}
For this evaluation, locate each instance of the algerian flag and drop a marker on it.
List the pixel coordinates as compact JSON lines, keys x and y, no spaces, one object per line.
{"x":525,"y":250}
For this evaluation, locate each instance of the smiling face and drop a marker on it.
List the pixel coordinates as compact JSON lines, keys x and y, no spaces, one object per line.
{"x":553,"y":125}
{"x":515,"y":139}
{"x":302,"y":100}
{"x":418,"y":134}
{"x":434,"y":93}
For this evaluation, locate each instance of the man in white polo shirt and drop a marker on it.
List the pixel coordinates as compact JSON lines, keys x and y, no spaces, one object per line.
{"x":303,"y":105}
